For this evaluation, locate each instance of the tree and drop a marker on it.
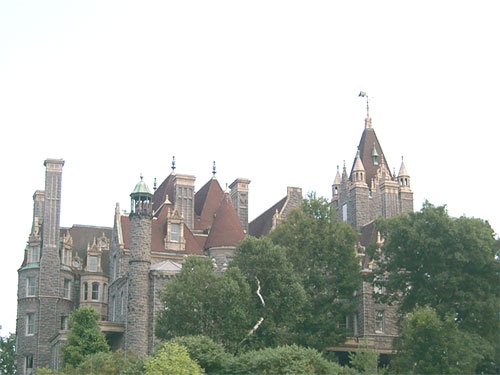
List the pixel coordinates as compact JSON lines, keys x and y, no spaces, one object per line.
{"x":288,"y":359}
{"x":280,"y":298}
{"x":365,"y":359}
{"x":429,"y":345}
{"x":172,"y":359}
{"x":84,"y":337}
{"x":322,"y":252}
{"x":7,"y":354}
{"x":201,"y":302}
{"x":451,"y":265}
{"x":211,"y":356}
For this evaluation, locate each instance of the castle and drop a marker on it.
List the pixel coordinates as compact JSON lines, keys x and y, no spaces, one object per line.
{"x":120,"y":270}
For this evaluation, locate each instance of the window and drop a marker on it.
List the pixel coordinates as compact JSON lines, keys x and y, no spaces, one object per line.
{"x":379,"y":321}
{"x":66,"y":257}
{"x":95,"y":291}
{"x":113,"y":303}
{"x":85,"y":291}
{"x":64,"y":323}
{"x":34,"y":257}
{"x":344,"y":212}
{"x":355,"y":324}
{"x":29,"y":365}
{"x":122,"y":303}
{"x":104,"y":292}
{"x":67,"y":288}
{"x":175,"y":232}
{"x":104,"y":244}
{"x":30,"y":286}
{"x":115,"y":267}
{"x":93,"y":264}
{"x":30,"y":324}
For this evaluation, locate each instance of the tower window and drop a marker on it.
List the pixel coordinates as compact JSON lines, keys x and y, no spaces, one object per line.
{"x":175,"y":232}
{"x":67,"y":288}
{"x":95,"y":291}
{"x":30,"y":324}
{"x":93,"y":263}
{"x":122,"y":303}
{"x":64,"y":323}
{"x":85,"y":291}
{"x":115,"y":267}
{"x":30,"y":286}
{"x":344,"y":212}
{"x":379,"y":321}
{"x":29,"y":365}
{"x":34,"y":256}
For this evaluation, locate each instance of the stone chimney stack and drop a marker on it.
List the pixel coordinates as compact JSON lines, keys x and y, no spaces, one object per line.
{"x":239,"y":197}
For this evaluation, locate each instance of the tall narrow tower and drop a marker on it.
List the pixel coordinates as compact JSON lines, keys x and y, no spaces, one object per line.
{"x":239,"y":196}
{"x":136,"y":336}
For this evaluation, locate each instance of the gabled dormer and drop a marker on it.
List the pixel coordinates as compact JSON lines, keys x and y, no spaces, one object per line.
{"x":174,"y":237}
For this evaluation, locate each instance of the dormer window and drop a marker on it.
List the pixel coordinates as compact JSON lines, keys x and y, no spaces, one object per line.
{"x":93,"y":263}
{"x":34,"y":256}
{"x":103,"y":244}
{"x":175,"y":230}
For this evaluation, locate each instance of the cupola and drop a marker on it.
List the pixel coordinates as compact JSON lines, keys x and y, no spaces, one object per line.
{"x":141,"y":197}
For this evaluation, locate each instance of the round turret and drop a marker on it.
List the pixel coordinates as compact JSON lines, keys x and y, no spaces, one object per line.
{"x":141,"y":198}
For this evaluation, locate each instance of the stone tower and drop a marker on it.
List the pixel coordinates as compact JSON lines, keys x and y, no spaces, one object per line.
{"x":239,"y":196}
{"x":138,"y":325}
{"x":44,"y":291}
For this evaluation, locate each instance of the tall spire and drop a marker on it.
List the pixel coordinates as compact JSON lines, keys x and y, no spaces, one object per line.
{"x":368,"y":120}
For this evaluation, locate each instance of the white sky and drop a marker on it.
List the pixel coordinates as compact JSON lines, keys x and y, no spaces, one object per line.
{"x":267,"y":89}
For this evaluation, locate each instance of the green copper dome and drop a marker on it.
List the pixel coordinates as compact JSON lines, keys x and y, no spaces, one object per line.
{"x":141,"y":190}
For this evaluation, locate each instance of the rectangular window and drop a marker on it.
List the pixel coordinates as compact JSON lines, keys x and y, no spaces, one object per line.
{"x":29,"y":365}
{"x":67,"y":288}
{"x":30,"y":286}
{"x":379,"y":321}
{"x":34,"y":258}
{"x":66,"y":259}
{"x":344,"y":212}
{"x":30,"y":324}
{"x":174,"y":232}
{"x":95,"y":291}
{"x":64,"y":323}
{"x":93,"y":264}
{"x":355,"y":324}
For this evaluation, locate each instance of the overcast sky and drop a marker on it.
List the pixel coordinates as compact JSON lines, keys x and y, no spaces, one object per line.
{"x":267,"y":89}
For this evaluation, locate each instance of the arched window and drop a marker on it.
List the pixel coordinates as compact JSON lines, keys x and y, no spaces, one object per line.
{"x":95,"y":291}
{"x":85,"y":291}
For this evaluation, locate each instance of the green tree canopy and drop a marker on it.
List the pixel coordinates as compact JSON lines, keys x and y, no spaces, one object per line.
{"x":288,"y":359}
{"x":267,"y":270}
{"x":202,"y":302}
{"x":452,"y":265}
{"x":172,"y":359}
{"x":7,"y":354}
{"x":430,"y":345}
{"x":322,"y":252}
{"x":84,"y":337}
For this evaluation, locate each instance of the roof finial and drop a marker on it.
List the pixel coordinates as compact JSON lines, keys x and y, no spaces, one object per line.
{"x":154,"y":184}
{"x":213,"y":171}
{"x":363,"y":94}
{"x":141,"y":176}
{"x":173,"y":164}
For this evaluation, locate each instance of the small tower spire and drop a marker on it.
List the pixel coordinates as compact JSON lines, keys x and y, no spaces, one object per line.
{"x":173,"y":164}
{"x":214,"y":171}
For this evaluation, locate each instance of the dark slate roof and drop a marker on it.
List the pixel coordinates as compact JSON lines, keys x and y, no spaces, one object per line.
{"x":368,"y":139}
{"x":165,"y":188}
{"x":261,"y":225}
{"x":206,"y":202}
{"x":226,"y":229}
{"x":83,"y":235}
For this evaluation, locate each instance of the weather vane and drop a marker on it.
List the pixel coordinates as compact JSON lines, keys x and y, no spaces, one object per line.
{"x":363,"y":94}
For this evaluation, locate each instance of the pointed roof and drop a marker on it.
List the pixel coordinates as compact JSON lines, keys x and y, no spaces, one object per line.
{"x":358,"y":164}
{"x":226,"y":228}
{"x":402,"y":169}
{"x":367,"y":144}
{"x":165,"y":189}
{"x":337,"y":180}
{"x":263,"y":224}
{"x":206,"y":202}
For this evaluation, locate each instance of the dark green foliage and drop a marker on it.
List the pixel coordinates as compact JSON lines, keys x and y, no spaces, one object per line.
{"x":201,"y":302}
{"x":429,"y":345}
{"x":322,"y":252}
{"x":452,"y":265}
{"x":289,"y":359}
{"x":364,"y":360}
{"x":84,"y":337}
{"x":7,"y":354}
{"x":265,"y":264}
{"x":212,"y":357}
